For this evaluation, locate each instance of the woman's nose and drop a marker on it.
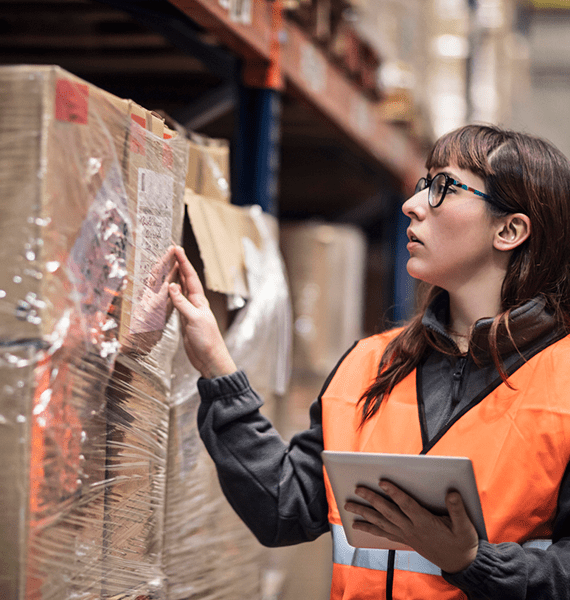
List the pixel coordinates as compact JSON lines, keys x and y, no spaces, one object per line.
{"x":416,"y":205}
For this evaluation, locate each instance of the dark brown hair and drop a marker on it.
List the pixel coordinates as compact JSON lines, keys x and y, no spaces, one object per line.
{"x":522,"y":173}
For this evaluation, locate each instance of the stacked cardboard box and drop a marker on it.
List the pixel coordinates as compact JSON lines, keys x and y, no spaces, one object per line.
{"x":53,"y":401}
{"x":325,"y":263}
{"x":92,"y":434}
{"x":209,"y":553}
{"x":91,"y":199}
{"x":396,"y":29}
{"x":235,"y":250}
{"x":500,"y":69}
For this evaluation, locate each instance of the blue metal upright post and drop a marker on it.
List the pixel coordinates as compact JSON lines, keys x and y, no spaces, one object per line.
{"x":255,"y":174}
{"x":256,"y":153}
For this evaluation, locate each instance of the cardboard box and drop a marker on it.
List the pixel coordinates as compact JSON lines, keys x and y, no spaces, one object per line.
{"x":54,"y":451}
{"x":137,"y":440}
{"x":62,"y":189}
{"x":208,"y":552}
{"x":64,"y":217}
{"x":90,"y":199}
{"x":325,"y":263}
{"x":137,"y":394}
{"x":92,"y":189}
{"x":155,"y":168}
{"x":219,"y":229}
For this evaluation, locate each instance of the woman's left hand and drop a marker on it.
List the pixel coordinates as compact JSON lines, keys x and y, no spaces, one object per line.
{"x":450,"y":542}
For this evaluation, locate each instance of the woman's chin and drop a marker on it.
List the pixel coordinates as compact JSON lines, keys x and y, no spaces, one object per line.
{"x":424,"y":276}
{"x":415,"y":271}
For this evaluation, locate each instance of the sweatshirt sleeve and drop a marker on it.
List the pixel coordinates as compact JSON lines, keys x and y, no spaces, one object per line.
{"x":510,"y":572}
{"x":276,"y":488}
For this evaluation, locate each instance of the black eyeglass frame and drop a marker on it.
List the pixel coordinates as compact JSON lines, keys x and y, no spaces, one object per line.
{"x":427,"y":182}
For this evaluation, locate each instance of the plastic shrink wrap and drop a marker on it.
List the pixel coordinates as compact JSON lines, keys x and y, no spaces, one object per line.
{"x":209,"y":553}
{"x":91,"y":191}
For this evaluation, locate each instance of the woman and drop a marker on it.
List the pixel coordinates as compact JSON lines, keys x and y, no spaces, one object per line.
{"x":480,"y":371}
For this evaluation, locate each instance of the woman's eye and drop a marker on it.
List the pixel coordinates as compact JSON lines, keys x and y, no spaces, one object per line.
{"x":452,"y":190}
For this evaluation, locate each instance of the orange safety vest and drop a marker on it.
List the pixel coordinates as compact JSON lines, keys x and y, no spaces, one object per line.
{"x":518,"y":440}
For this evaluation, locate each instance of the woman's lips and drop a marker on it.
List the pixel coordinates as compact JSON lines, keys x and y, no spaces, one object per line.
{"x":413,"y":237}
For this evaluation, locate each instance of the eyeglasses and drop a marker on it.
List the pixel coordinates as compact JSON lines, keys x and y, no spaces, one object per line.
{"x":439,"y":185}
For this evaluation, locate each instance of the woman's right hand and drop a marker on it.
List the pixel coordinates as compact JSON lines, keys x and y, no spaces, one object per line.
{"x":202,"y":338}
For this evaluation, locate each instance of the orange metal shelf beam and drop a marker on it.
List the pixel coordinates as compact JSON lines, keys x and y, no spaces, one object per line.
{"x":251,"y":41}
{"x":308,"y":71}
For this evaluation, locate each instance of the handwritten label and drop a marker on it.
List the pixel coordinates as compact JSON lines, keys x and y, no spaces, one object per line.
{"x":153,"y":238}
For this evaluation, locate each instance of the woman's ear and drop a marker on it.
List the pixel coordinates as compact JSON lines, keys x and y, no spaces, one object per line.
{"x":514,"y":230}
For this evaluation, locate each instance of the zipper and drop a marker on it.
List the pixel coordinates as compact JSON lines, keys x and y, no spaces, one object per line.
{"x":458,"y":379}
{"x":443,"y":334}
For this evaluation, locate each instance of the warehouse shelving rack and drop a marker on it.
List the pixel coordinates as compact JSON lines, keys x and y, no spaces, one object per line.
{"x":307,"y":139}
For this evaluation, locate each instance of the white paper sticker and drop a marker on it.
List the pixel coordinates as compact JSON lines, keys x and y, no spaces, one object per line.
{"x":153,"y":238}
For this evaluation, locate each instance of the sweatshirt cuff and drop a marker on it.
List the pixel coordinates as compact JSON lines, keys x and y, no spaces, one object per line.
{"x":226,"y":386}
{"x":479,"y":572}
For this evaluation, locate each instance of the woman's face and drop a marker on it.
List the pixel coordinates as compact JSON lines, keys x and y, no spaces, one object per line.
{"x":452,"y":244}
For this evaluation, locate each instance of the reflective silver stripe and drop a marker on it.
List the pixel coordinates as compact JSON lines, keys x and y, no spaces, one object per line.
{"x":406,"y":560}
{"x":343,"y":552}
{"x":370,"y":558}
{"x":540,"y":544}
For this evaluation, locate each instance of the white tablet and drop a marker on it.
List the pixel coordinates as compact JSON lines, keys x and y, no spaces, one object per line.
{"x":426,"y":478}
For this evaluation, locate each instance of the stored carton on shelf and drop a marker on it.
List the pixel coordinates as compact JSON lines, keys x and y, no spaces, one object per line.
{"x":325,"y":264}
{"x":82,"y":174}
{"x":209,"y":553}
{"x":137,"y":440}
{"x":65,"y":220}
{"x":90,"y":201}
{"x":154,"y":170}
{"x":53,"y":443}
{"x":62,"y":188}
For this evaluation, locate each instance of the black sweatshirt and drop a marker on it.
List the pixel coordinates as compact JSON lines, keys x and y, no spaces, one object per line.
{"x":278,"y":490}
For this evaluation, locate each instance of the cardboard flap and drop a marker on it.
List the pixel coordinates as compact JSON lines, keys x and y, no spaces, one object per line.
{"x":219,"y":228}
{"x":208,"y":171}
